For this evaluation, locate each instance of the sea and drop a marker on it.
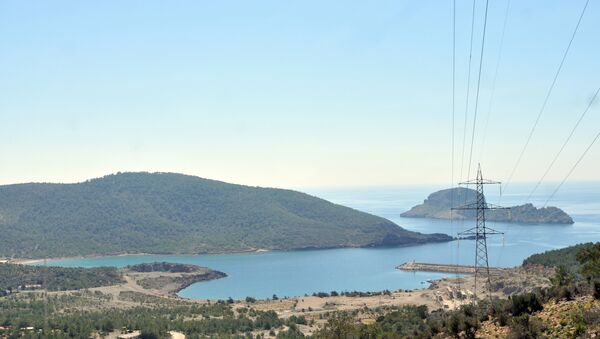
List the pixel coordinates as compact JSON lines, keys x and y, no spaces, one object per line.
{"x":298,"y":273}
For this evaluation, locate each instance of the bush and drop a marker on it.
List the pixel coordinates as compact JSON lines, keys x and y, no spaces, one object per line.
{"x":461,"y":322}
{"x":562,"y":277}
{"x":525,"y":303}
{"x":596,"y":289}
{"x":525,"y":327}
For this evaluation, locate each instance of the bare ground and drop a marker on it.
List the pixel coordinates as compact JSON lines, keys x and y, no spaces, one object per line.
{"x":448,"y":293}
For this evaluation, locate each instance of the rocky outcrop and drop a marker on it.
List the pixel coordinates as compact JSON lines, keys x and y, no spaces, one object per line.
{"x":438,"y":205}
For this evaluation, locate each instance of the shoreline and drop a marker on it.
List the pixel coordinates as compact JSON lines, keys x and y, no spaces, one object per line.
{"x":30,"y":261}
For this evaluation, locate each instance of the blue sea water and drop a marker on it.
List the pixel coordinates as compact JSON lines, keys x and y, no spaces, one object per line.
{"x":296,"y":273}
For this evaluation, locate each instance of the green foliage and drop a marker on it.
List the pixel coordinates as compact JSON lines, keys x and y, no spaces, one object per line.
{"x":596,"y":289}
{"x":155,"y":320}
{"x":13,"y":276}
{"x":525,"y":303}
{"x":566,"y":257}
{"x":525,"y":327}
{"x":404,"y":322}
{"x":163,"y":267}
{"x":589,"y":258}
{"x":339,"y":326}
{"x":562,"y":277}
{"x":174,"y":213}
{"x":407,"y":322}
{"x":291,"y":333}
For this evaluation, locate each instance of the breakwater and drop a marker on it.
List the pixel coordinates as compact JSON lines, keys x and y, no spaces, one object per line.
{"x":446,"y":268}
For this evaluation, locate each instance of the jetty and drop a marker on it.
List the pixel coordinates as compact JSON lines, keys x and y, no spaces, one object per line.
{"x":446,"y":268}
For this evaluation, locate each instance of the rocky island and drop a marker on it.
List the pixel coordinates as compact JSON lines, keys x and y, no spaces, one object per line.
{"x":438,"y":206}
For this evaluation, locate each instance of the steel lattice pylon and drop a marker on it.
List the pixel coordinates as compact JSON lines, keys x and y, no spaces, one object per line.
{"x":480,"y":232}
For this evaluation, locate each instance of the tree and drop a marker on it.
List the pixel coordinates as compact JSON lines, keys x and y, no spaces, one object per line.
{"x":149,"y":335}
{"x":340,"y":326}
{"x":589,"y":258}
{"x":562,"y":277}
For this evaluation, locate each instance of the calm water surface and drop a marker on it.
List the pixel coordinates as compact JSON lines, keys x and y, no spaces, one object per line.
{"x":300,"y":272}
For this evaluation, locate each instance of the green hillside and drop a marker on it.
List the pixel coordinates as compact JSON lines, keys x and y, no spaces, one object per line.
{"x":566,"y":257}
{"x":174,"y":213}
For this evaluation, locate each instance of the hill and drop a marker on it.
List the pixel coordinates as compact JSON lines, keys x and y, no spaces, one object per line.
{"x":438,"y":205}
{"x":566,"y":257}
{"x":174,"y":213}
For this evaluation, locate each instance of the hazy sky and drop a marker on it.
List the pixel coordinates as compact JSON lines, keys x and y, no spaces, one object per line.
{"x":288,"y":93}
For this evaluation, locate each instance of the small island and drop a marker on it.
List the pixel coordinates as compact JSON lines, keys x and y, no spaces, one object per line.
{"x":438,"y":206}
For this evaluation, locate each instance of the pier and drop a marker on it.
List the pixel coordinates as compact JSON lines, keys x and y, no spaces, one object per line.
{"x":446,"y":268}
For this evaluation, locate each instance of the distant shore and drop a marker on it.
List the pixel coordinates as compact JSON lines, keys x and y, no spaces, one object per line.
{"x":30,"y":261}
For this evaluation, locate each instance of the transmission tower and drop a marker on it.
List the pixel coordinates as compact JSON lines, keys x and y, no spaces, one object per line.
{"x":480,"y":232}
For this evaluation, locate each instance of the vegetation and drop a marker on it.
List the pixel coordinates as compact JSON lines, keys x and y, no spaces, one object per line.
{"x":174,"y":213}
{"x":351,"y":294}
{"x":14,"y":277}
{"x":22,"y":311}
{"x":552,"y":312}
{"x":403,"y":322}
{"x":438,"y":205}
{"x":566,"y":257}
{"x":164,"y":267}
{"x":565,"y":309}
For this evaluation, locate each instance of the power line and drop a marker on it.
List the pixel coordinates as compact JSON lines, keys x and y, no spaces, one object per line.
{"x":564,"y":144}
{"x":492,"y":95}
{"x":454,"y":295}
{"x":462,"y":159}
{"x":572,"y":169}
{"x":453,"y":83}
{"x":549,"y":92}
{"x":478,"y":85}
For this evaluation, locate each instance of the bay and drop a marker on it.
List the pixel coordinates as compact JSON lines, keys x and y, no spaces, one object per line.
{"x":295,"y":273}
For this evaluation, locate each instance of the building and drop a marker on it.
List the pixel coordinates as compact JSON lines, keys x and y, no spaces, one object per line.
{"x":130,"y":335}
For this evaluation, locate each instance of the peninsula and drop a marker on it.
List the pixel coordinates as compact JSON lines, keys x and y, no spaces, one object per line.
{"x":169,"y":213}
{"x":438,"y":206}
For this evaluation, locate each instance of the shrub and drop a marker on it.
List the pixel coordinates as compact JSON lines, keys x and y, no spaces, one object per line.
{"x":562,"y":277}
{"x":596,"y":289}
{"x":525,"y":327}
{"x":525,"y":303}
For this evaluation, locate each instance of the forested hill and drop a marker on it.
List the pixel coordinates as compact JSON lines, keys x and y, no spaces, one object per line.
{"x":566,"y":257}
{"x":174,"y":213}
{"x":438,"y":206}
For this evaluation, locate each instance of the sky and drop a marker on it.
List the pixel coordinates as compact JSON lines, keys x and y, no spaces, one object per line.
{"x":292,"y":93}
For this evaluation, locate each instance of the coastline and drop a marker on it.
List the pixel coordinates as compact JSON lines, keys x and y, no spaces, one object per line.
{"x":31,"y":261}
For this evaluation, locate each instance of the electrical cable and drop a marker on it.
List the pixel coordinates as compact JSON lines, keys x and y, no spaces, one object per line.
{"x":548,"y":93}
